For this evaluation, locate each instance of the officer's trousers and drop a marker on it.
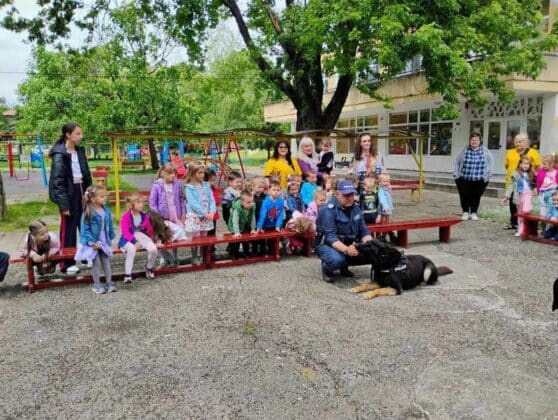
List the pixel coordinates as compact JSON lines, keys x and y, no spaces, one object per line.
{"x":335,"y":260}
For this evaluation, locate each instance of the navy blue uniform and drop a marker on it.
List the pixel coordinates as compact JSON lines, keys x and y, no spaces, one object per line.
{"x":336,"y":223}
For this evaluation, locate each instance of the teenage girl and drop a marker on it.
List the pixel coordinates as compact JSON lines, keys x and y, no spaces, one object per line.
{"x":69,"y":178}
{"x":39,"y":245}
{"x":200,"y":205}
{"x":521,"y":188}
{"x":137,"y":233}
{"x":97,"y":233}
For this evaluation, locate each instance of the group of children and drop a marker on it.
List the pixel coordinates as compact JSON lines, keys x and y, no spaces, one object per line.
{"x":526,"y":182}
{"x":177,"y":212}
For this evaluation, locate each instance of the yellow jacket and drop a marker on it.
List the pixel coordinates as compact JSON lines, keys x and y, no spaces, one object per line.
{"x":512,"y":160}
{"x":283,"y":169}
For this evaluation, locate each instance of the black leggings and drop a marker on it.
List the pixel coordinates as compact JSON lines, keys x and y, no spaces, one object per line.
{"x":69,"y":225}
{"x":470,"y":193}
{"x":4,"y":263}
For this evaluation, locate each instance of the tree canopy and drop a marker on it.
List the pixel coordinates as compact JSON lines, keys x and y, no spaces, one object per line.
{"x":466,"y":46}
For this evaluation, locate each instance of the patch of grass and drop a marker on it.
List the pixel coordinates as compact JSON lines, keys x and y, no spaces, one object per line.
{"x":20,"y":214}
{"x":124,"y":185}
{"x":249,"y":328}
{"x":499,"y":214}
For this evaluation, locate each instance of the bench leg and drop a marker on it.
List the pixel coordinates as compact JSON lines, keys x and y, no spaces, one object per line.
{"x":403,"y":238}
{"x":30,"y":276}
{"x":276,"y":253}
{"x":445,"y":234}
{"x":530,"y":228}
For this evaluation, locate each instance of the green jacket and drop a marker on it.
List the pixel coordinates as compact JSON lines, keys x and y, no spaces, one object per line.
{"x":241,"y":219}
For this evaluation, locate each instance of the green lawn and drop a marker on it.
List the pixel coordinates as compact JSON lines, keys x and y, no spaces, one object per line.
{"x":19,"y":215}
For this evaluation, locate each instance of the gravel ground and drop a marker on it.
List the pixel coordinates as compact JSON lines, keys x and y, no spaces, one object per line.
{"x":274,"y":341}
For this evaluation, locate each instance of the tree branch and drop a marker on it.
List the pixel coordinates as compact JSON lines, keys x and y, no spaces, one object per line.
{"x":263,"y":65}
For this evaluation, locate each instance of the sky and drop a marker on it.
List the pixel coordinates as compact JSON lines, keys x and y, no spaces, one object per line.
{"x":15,"y":51}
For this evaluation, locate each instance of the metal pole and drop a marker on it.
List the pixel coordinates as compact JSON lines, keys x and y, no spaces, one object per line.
{"x":42,"y":158}
{"x":116,"y":176}
{"x":11,"y":159}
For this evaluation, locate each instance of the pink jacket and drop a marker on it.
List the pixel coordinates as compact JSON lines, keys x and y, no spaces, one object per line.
{"x":541,"y":173}
{"x":54,"y":246}
{"x":127,"y":228}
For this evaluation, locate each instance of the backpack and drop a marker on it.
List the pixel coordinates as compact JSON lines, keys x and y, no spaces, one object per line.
{"x":381,"y":255}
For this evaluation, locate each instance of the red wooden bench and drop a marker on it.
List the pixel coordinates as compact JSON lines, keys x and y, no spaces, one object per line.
{"x":102,"y":168}
{"x":100,"y":176}
{"x":402,"y":227}
{"x":531,"y":228}
{"x":68,"y":253}
{"x":125,"y":194}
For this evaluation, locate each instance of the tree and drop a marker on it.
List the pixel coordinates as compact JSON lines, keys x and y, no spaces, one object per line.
{"x":466,"y":46}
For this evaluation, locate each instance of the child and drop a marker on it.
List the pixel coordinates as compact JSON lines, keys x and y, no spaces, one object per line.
{"x":200,"y":206}
{"x":211,"y":177}
{"x":521,"y":186}
{"x":167,"y":199}
{"x":313,"y":208}
{"x":369,"y":200}
{"x":325,"y":166}
{"x":308,"y":188}
{"x":4,"y":264}
{"x":242,"y":220}
{"x":330,"y":187}
{"x":137,"y":233}
{"x":39,"y":245}
{"x":356,"y":183}
{"x":96,"y":235}
{"x":258,"y":186}
{"x":551,"y":232}
{"x":547,"y":181}
{"x":300,"y":224}
{"x":231,"y":193}
{"x":385,"y":203}
{"x":292,"y":202}
{"x":273,"y":207}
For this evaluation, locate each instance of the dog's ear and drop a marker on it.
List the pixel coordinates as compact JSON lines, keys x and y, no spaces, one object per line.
{"x":555,"y":301}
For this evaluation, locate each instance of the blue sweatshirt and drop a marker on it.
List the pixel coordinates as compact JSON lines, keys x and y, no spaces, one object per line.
{"x":307,"y":193}
{"x":272,"y":213}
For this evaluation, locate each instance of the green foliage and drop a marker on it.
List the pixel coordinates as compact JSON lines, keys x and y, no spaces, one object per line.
{"x":19,"y":215}
{"x":466,"y":46}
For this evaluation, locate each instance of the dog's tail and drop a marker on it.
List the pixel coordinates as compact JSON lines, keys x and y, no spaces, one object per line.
{"x":431,"y":273}
{"x":555,"y":302}
{"x":444,"y":271}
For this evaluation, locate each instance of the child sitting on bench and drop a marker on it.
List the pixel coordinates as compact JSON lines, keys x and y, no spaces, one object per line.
{"x":551,"y":231}
{"x":39,"y":245}
{"x":242,"y":220}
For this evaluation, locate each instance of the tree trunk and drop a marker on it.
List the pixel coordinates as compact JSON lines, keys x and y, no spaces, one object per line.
{"x":153,"y":154}
{"x":3,"y":207}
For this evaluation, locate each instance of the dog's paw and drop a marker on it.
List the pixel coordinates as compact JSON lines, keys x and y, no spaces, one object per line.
{"x":369,"y":295}
{"x":354,"y":290}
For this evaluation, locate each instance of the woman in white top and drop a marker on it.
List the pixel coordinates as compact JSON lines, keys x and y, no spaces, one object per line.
{"x":367,"y":159}
{"x":69,"y":178}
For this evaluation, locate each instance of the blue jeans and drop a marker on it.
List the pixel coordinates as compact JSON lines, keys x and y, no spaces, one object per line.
{"x":4,"y":263}
{"x":335,"y":260}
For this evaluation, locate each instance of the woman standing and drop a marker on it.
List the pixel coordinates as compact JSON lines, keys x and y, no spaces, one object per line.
{"x":69,"y":178}
{"x":307,"y":157}
{"x":511,"y":161}
{"x":282,"y":164}
{"x":472,"y":170}
{"x":367,"y":159}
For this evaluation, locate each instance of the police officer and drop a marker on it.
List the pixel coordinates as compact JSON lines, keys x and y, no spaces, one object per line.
{"x":340,"y":224}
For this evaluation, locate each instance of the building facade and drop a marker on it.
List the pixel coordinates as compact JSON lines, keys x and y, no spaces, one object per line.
{"x":534,"y":111}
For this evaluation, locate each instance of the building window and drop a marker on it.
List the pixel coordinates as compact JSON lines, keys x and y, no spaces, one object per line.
{"x":438,"y":134}
{"x":355,"y":125}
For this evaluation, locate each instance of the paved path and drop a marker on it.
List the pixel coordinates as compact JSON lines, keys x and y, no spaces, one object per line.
{"x":274,"y":341}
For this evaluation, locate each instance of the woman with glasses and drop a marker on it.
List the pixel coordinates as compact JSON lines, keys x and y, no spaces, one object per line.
{"x":281,"y":164}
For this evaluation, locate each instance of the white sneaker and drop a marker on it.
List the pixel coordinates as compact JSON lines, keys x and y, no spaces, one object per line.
{"x":73,"y":269}
{"x":465,"y":216}
{"x":517,"y":234}
{"x":89,"y":264}
{"x":474,"y":216}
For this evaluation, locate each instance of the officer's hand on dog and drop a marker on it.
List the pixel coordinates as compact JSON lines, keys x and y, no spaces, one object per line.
{"x":352,"y":251}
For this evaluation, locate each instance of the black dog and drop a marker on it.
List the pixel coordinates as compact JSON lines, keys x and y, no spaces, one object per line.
{"x":555,"y":302}
{"x":395,"y":272}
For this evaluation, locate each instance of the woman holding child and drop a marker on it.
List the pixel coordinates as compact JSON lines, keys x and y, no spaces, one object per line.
{"x":307,"y":158}
{"x":281,"y":164}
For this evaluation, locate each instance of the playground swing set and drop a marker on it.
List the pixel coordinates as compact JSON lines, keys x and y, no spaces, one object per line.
{"x":29,"y":154}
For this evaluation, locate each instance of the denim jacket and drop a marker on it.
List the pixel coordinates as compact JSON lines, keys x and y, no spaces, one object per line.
{"x":91,"y":230}
{"x":194,"y":200}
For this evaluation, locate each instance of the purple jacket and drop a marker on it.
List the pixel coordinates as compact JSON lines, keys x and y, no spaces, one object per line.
{"x":158,"y":199}
{"x":306,"y":166}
